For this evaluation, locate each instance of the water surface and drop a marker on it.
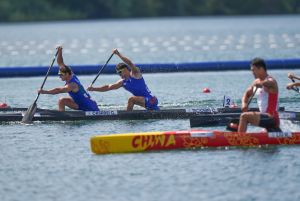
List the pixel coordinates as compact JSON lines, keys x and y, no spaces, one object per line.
{"x":53,"y":161}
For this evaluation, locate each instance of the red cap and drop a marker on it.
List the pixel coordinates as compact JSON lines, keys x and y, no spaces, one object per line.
{"x":206,"y":90}
{"x":3,"y":105}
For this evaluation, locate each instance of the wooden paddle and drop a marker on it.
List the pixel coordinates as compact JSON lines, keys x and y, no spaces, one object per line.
{"x":28,"y":116}
{"x":102,"y":68}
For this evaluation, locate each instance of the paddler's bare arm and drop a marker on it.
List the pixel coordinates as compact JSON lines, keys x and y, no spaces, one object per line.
{"x":245,"y":99}
{"x":292,"y":76}
{"x":269,"y":85}
{"x":60,"y":60}
{"x":108,"y":87}
{"x":292,"y":85}
{"x":67,"y":88}
{"x":248,"y":93}
{"x":135,"y":70}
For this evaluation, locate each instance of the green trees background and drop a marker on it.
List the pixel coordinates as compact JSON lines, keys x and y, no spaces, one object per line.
{"x":40,"y":10}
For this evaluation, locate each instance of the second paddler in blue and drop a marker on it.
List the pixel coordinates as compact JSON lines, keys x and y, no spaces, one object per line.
{"x":79,"y":98}
{"x":132,"y":81}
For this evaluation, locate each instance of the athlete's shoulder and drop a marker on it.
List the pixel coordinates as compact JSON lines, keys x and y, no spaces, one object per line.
{"x":271,"y":78}
{"x":136,"y":75}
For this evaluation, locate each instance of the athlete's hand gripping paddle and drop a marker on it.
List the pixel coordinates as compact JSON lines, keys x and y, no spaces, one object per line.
{"x":295,"y":88}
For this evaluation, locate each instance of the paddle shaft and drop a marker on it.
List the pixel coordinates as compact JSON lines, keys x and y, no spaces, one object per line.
{"x":100,"y":71}
{"x":28,"y":116}
{"x":249,"y":101}
{"x":295,"y":88}
{"x":47,"y":74}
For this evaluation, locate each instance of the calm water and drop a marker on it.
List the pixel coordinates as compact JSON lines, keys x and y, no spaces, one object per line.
{"x":53,"y":161}
{"x":152,"y":40}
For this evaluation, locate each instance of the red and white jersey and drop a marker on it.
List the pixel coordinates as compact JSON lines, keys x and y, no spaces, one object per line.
{"x":268,"y":102}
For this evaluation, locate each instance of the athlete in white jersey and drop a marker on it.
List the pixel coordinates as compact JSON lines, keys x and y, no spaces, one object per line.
{"x":267,"y":100}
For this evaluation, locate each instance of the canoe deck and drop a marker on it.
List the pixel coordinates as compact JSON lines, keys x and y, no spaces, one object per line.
{"x":155,"y":141}
{"x":16,"y":114}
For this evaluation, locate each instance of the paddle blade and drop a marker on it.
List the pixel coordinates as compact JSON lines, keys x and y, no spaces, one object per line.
{"x":28,"y":116}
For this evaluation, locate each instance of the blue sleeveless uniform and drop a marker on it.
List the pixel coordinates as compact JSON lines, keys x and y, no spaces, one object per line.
{"x":81,"y":97}
{"x":138,"y":87}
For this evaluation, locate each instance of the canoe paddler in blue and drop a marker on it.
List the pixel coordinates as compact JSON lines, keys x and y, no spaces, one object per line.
{"x":133,"y":81}
{"x":79,"y":99}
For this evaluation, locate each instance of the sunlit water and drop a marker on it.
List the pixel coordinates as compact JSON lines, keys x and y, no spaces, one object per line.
{"x":152,"y":40}
{"x":53,"y":161}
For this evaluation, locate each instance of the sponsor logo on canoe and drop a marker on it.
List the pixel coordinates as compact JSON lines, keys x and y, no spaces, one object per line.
{"x":101,"y":113}
{"x":37,"y":114}
{"x":201,"y":110}
{"x":153,"y":141}
{"x":279,"y":134}
{"x":201,"y":134}
{"x":239,"y":139}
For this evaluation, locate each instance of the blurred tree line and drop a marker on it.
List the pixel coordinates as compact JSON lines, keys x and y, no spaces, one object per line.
{"x":39,"y":10}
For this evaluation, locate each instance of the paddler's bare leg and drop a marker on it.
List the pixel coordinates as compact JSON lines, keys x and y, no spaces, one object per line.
{"x":135,"y":100}
{"x":63,"y":102}
{"x":248,"y":117}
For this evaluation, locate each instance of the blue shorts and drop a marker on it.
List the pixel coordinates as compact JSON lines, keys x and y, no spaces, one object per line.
{"x":151,"y":103}
{"x":91,"y":106}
